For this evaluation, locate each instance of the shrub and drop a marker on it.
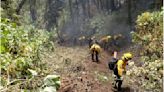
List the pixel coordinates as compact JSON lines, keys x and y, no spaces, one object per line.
{"x":20,"y":49}
{"x":149,"y":76}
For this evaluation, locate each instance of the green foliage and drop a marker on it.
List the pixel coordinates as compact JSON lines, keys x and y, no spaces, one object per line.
{"x":101,"y":77}
{"x":51,"y":83}
{"x":149,"y":35}
{"x":3,"y":82}
{"x":8,"y":8}
{"x":20,"y":49}
{"x":93,"y":26}
{"x":97,"y":22}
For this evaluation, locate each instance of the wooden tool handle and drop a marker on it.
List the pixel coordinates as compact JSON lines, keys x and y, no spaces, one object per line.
{"x":115,"y":54}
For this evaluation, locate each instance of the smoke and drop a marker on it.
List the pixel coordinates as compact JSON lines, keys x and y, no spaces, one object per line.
{"x":114,"y":21}
{"x":91,"y":18}
{"x":80,"y":24}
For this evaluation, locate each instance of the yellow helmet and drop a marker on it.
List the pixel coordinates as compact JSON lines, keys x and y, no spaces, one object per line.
{"x":108,"y":36}
{"x":127,"y":56}
{"x":93,"y":37}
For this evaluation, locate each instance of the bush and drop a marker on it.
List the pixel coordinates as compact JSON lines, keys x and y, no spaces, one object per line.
{"x":149,"y":35}
{"x":20,"y":49}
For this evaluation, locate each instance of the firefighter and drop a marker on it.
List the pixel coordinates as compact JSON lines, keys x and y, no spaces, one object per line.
{"x":81,"y":40}
{"x":120,"y":68}
{"x":104,"y":41}
{"x":95,"y":50}
{"x":91,"y":41}
{"x":116,"y":39}
{"x":115,"y":42}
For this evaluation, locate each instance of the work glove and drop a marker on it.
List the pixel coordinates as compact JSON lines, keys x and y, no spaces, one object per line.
{"x":121,"y":78}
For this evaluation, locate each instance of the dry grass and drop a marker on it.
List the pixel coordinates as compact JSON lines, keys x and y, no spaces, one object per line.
{"x":64,"y":60}
{"x":77,"y":71}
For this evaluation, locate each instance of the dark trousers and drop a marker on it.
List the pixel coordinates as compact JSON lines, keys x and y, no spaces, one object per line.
{"x":95,"y":55}
{"x":119,"y":82}
{"x":118,"y":79}
{"x":105,"y":45}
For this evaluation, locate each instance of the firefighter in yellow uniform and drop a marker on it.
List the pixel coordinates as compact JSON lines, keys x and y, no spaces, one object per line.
{"x":95,"y":50}
{"x":115,"y":42}
{"x":104,"y":41}
{"x":81,"y":40}
{"x":120,"y":68}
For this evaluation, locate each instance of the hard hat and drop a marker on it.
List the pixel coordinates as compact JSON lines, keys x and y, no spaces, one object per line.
{"x":127,"y":56}
{"x":93,"y":37}
{"x":120,"y":35}
{"x":108,"y":36}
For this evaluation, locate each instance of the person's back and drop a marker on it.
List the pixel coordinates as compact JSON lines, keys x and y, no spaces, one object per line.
{"x":121,"y":66}
{"x":95,"y":47}
{"x":104,"y":41}
{"x":95,"y":50}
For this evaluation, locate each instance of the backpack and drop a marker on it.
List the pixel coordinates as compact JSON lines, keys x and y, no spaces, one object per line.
{"x":112,"y":63}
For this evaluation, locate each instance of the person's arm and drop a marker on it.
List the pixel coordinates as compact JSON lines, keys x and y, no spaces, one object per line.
{"x":115,"y":54}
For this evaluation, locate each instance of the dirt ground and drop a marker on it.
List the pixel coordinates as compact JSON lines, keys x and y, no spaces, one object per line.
{"x":78,"y":72}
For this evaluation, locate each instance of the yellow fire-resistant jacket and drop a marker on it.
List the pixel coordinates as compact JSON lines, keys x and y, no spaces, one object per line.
{"x":95,"y":47}
{"x":121,"y":66}
{"x":105,"y":39}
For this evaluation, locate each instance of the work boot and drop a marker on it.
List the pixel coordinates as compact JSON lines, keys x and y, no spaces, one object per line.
{"x":119,"y":85}
{"x":115,"y":85}
{"x":119,"y":89}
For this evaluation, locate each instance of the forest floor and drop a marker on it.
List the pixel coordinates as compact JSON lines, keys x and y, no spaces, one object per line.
{"x":78,"y":72}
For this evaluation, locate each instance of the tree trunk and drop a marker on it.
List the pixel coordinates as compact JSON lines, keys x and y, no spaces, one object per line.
{"x":158,"y":4}
{"x":83,"y":2}
{"x":101,"y":5}
{"x":61,"y":40}
{"x":20,"y":6}
{"x":77,"y":5}
{"x":33,"y":10}
{"x":112,"y":5}
{"x":70,"y":8}
{"x":107,"y":5}
{"x":96,"y":4}
{"x":129,"y":13}
{"x":88,"y":5}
